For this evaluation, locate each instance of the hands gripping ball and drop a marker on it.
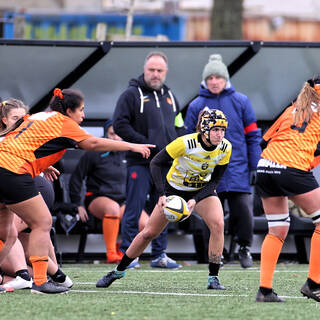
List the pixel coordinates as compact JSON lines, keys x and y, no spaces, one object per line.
{"x":176,"y":209}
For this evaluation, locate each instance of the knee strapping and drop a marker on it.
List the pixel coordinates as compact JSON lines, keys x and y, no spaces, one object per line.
{"x":315,"y":216}
{"x":1,"y":244}
{"x":277,"y":220}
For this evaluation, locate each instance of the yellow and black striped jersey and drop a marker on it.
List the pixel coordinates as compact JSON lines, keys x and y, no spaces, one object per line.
{"x":193,"y":165}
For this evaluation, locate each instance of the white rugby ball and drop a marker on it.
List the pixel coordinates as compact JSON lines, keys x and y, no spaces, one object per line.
{"x":176,"y":209}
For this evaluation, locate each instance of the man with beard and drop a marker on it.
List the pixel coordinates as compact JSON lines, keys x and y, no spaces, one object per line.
{"x":146,"y":111}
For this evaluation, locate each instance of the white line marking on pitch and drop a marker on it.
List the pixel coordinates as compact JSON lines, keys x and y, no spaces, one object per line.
{"x":196,"y":271}
{"x":91,"y":283}
{"x":84,"y":291}
{"x":173,"y":293}
{"x":161,"y":293}
{"x":184,"y":271}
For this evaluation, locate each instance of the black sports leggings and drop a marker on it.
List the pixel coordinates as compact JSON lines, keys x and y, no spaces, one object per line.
{"x":241,"y":216}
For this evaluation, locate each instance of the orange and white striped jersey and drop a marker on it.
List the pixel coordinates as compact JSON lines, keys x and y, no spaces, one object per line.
{"x":293,"y":146}
{"x":39,"y":142}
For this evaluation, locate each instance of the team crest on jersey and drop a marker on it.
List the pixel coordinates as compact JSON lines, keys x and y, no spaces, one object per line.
{"x":169,"y":100}
{"x":146,"y":99}
{"x":205,"y":166}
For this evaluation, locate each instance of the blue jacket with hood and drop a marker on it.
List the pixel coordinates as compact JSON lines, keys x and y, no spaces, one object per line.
{"x":242,"y":132}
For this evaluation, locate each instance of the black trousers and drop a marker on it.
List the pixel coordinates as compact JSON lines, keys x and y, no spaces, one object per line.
{"x":241,"y":215}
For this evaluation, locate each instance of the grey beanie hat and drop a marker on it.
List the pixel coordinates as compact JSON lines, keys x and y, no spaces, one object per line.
{"x":215,"y":66}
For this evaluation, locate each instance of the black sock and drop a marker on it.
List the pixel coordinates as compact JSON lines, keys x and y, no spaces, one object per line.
{"x":24,"y":274}
{"x":1,"y":274}
{"x":59,"y":276}
{"x":312,"y":284}
{"x":214,"y":269}
{"x":125,"y":261}
{"x":265,"y":291}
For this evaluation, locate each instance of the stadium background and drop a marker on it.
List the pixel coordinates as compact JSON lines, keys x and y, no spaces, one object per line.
{"x":57,"y":48}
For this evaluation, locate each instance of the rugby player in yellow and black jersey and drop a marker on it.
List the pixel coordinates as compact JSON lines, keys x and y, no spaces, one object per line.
{"x":198,"y":162}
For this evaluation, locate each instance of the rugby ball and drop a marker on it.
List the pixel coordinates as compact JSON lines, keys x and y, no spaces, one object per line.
{"x":176,"y":209}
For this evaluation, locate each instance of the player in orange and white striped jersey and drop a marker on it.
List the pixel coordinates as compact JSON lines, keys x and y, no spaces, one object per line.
{"x":284,"y":173}
{"x":37,"y":142}
{"x":15,"y":264}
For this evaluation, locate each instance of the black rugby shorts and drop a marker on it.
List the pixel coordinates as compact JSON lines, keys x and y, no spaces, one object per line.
{"x":275,"y":180}
{"x":15,"y":188}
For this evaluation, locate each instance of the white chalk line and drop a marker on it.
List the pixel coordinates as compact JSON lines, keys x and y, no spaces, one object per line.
{"x":106,"y":291}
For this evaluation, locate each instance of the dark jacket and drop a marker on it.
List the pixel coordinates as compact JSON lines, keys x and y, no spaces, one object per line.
{"x":105,"y":174}
{"x":143,"y":115}
{"x":241,"y":132}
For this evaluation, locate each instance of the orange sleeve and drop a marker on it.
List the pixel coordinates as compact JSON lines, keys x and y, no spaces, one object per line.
{"x":72,"y":130}
{"x":315,"y":162}
{"x":274,"y":128}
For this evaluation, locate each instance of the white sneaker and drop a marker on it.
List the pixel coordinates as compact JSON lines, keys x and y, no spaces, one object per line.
{"x":134,"y":264}
{"x":163,"y":261}
{"x":18,"y":283}
{"x":66,"y":283}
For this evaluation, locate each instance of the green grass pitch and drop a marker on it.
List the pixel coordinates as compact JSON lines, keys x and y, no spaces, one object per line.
{"x":150,"y":293}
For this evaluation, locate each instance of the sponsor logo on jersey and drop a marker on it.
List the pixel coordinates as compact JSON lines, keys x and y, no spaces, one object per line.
{"x":205,"y":166}
{"x":270,"y":164}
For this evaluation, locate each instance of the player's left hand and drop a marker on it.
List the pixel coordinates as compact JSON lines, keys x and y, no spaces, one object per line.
{"x":162,"y":202}
{"x":191,"y":204}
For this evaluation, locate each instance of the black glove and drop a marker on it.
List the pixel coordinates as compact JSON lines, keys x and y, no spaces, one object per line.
{"x":253,"y":177}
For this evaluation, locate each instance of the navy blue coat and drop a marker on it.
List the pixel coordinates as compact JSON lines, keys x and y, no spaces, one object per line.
{"x":144,"y":115}
{"x":241,"y":132}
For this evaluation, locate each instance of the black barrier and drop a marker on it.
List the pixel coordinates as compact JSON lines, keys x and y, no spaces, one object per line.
{"x":269,"y":73}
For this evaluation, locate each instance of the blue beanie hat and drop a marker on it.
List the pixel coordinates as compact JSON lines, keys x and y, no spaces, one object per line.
{"x":216,"y":67}
{"x":106,"y":126}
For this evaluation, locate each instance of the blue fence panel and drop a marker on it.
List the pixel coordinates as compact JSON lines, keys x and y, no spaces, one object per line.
{"x":83,"y":27}
{"x":8,"y":26}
